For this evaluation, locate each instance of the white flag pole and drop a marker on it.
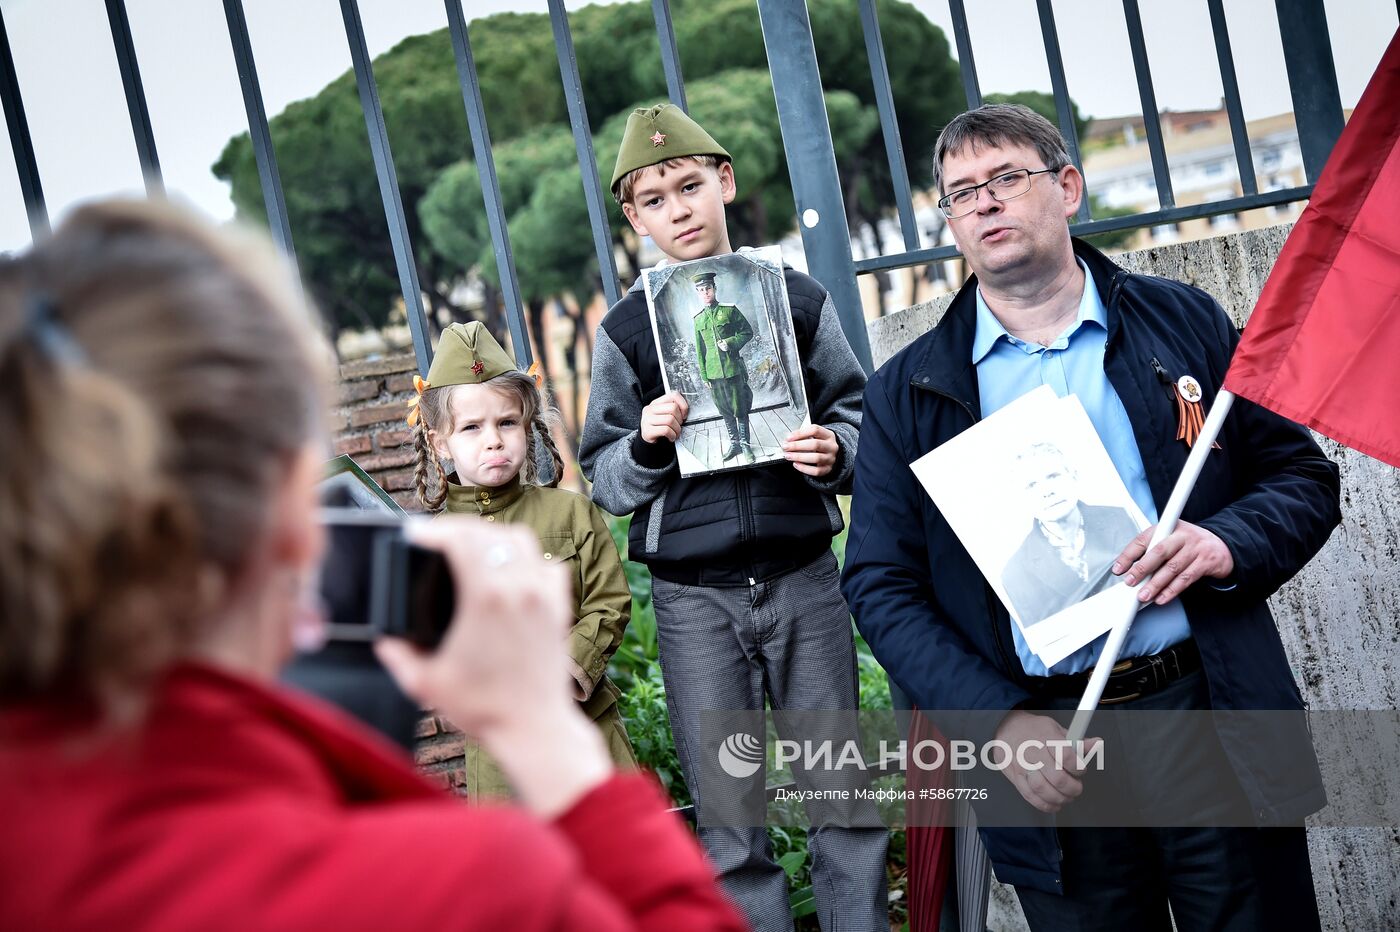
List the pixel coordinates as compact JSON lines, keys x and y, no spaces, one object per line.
{"x":1166,"y":523}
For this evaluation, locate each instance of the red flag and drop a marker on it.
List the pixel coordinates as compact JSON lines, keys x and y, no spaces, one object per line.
{"x":1323,"y":345}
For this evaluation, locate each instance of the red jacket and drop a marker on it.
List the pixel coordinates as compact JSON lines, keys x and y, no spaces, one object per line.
{"x":237,"y":807}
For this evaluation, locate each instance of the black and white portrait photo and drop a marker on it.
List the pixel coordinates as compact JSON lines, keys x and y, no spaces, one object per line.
{"x":1034,"y":497}
{"x":723,"y":331}
{"x":1068,"y":550}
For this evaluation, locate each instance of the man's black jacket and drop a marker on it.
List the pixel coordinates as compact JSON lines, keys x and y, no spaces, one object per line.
{"x":922,"y":604}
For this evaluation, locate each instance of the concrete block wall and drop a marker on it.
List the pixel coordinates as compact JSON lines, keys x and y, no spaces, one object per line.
{"x":1339,"y":618}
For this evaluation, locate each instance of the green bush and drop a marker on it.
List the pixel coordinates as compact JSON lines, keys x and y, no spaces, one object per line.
{"x":644,"y":711}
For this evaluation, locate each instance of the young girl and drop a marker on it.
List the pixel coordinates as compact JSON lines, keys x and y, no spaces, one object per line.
{"x":477,"y":410}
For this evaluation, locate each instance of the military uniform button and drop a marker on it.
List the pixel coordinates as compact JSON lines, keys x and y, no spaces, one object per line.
{"x":490,"y":517}
{"x":549,"y":556}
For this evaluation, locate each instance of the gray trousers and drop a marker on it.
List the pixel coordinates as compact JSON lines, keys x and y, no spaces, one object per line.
{"x":721,"y":650}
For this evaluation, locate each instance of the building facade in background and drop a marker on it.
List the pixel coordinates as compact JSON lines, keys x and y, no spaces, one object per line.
{"x":1201,"y":157}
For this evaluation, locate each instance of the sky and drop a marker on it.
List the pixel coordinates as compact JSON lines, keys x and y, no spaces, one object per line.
{"x":78,"y":119}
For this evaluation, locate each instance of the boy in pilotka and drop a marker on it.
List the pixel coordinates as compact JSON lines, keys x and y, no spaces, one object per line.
{"x":744,"y":582}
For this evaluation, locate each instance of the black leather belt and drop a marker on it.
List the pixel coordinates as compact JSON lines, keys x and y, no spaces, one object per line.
{"x":1131,"y":677}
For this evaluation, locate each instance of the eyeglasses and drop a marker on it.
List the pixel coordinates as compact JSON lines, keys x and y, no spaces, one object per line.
{"x":1002,"y":188}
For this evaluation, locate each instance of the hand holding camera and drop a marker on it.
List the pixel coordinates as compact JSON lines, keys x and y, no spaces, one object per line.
{"x":490,"y":675}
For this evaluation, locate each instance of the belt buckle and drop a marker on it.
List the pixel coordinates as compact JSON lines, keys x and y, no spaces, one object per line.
{"x":1117,"y":699}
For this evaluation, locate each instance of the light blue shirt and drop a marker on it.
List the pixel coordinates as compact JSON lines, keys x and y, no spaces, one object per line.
{"x":1007,"y":368}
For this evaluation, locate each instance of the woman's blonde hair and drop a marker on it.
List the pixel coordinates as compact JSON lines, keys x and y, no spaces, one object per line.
{"x":435,"y":408}
{"x":158,"y":375}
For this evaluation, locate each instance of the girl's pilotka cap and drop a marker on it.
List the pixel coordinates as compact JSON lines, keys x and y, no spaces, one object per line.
{"x":466,"y":355}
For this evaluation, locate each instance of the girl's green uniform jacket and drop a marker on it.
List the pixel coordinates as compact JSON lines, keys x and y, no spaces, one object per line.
{"x":572,"y":532}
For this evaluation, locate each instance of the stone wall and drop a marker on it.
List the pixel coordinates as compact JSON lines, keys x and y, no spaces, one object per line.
{"x":1339,"y":618}
{"x":368,"y":422}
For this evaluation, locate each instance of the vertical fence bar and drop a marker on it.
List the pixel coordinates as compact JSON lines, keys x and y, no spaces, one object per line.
{"x":388,"y":185}
{"x":816,"y":185}
{"x":1061,"y":91}
{"x":1151,"y":120}
{"x":1312,"y":79}
{"x":583,"y":142}
{"x":889,"y":123}
{"x":18,"y":125}
{"x":490,"y":186}
{"x":1230,"y":84}
{"x":135,"y":97}
{"x":670,"y":57}
{"x":966,"y":65}
{"x":263,"y":154}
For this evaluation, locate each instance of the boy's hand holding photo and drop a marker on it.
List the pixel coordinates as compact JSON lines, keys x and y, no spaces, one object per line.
{"x":812,"y":450}
{"x":662,"y":419}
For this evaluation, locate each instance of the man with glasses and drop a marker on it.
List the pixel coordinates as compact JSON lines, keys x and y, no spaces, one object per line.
{"x":1044,"y":308}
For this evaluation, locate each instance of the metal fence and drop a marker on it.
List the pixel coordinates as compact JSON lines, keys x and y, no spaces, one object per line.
{"x":819,"y":200}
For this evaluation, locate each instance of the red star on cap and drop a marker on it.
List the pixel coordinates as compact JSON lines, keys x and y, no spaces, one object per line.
{"x":478,"y":367}
{"x":658,"y":139}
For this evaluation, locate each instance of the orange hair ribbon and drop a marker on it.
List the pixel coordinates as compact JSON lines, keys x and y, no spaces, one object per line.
{"x":420,"y":385}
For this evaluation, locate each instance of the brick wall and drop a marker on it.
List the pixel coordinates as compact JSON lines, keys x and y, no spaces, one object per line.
{"x":439,"y":751}
{"x":368,"y":423}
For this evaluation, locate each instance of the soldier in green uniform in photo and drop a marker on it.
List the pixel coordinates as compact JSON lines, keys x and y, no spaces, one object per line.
{"x":721,"y":331}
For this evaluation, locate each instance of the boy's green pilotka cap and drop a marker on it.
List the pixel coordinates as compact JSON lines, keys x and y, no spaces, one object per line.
{"x":704,"y":278}
{"x":466,"y":355}
{"x":655,"y":134}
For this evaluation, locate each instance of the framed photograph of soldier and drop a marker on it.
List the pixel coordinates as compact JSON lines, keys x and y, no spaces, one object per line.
{"x":723,"y":331}
{"x":1034,"y":497}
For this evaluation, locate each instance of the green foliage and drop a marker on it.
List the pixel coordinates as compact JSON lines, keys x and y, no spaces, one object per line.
{"x":644,"y":710}
{"x":453,"y":211}
{"x":637,"y":656}
{"x":552,"y":240}
{"x":328,"y":177}
{"x":874,"y":684}
{"x":333,"y":197}
{"x":790,"y":851}
{"x":454,"y":217}
{"x":517,"y":70}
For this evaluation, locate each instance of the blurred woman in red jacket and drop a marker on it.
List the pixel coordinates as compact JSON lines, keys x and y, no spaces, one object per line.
{"x":161,"y":414}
